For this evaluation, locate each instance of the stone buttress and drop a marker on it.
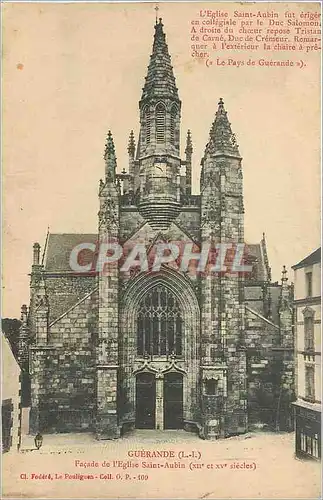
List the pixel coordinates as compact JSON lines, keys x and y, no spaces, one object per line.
{"x":107,"y":342}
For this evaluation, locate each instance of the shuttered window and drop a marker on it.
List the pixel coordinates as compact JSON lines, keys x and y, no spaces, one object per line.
{"x":173,"y":119}
{"x":160,"y":123}
{"x":147,"y":124}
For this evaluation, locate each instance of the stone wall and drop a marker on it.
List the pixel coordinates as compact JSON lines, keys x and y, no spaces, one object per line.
{"x":270,"y":369}
{"x":130,"y":222}
{"x":63,"y":372}
{"x":189,"y":221}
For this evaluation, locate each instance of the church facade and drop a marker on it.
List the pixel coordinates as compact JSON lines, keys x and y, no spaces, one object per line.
{"x":109,"y":350}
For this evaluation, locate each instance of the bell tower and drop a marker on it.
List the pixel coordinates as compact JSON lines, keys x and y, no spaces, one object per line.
{"x":158,"y":152}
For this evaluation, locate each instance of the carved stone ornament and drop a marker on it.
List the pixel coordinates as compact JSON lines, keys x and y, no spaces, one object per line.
{"x":212,"y":178}
{"x":210,"y":214}
{"x":108,"y":214}
{"x":41,"y":300}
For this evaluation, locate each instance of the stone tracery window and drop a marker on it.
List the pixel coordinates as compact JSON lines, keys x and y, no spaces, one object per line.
{"x":159,"y":324}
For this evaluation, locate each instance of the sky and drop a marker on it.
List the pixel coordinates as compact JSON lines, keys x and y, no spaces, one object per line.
{"x":71,"y":72}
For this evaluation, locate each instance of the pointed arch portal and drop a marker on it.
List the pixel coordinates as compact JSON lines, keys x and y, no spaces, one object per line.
{"x":159,"y":341}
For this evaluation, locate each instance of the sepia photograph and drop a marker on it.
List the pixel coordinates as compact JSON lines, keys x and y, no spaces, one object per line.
{"x":161,"y":259}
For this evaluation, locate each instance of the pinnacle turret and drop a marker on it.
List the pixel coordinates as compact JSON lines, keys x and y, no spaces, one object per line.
{"x":160,"y":80}
{"x":131,"y":145}
{"x":285,"y":288}
{"x":110,"y":158}
{"x":284,"y":275}
{"x":269,"y":306}
{"x":24,"y":314}
{"x":222,"y":139}
{"x":189,"y":145}
{"x":36,"y":254}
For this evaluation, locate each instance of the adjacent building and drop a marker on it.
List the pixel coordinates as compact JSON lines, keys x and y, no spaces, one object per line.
{"x":307,"y":281}
{"x":11,"y":408}
{"x":110,"y":351}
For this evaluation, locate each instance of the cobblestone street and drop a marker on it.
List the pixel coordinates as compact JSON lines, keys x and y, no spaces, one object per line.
{"x":260,"y":465}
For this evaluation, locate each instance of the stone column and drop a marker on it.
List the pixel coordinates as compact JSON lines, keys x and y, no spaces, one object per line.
{"x":159,"y":402}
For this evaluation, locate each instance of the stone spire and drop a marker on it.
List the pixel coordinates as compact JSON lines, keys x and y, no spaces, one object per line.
{"x":158,"y":159}
{"x":266,"y":261}
{"x":160,"y":80}
{"x":222,"y":139}
{"x":110,"y":158}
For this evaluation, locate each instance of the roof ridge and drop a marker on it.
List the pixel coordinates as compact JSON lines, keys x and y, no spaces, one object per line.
{"x":71,"y":234}
{"x":313,"y":258}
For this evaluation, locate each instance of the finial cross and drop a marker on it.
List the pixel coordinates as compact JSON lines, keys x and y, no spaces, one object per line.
{"x":156,"y":9}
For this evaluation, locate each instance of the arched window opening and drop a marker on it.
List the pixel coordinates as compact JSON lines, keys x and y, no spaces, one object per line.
{"x":160,"y":123}
{"x":147,"y":124}
{"x":160,"y":323}
{"x":173,"y":120}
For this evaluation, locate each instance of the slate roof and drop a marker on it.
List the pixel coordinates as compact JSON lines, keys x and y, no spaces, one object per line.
{"x":60,"y":246}
{"x":253,"y":251}
{"x":311,"y":259}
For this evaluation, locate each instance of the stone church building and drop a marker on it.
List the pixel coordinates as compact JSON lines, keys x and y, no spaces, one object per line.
{"x":109,"y":351}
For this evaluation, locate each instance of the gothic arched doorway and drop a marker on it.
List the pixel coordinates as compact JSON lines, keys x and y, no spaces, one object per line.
{"x":173,"y":400}
{"x":159,"y":334}
{"x":145,"y":400}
